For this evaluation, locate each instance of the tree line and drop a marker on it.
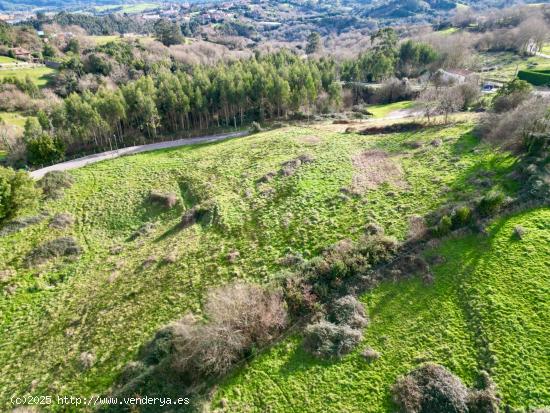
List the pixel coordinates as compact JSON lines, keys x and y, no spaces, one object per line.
{"x":261,"y":88}
{"x":169,"y":98}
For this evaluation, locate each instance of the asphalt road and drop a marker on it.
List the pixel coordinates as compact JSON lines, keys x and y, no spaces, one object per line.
{"x":86,"y":160}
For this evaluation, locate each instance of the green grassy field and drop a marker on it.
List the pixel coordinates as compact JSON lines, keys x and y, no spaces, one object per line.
{"x":449,"y":30}
{"x":491,"y":287}
{"x":110,"y":304}
{"x":7,"y":59}
{"x":128,"y":8}
{"x":14,"y":118}
{"x":15,"y":121}
{"x":508,"y":65}
{"x":101,"y":40}
{"x":40,"y":75}
{"x":382,"y":110}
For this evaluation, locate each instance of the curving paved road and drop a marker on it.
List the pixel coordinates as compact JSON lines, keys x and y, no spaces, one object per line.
{"x":86,"y":160}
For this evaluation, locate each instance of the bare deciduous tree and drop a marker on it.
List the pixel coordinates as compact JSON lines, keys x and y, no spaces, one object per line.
{"x":531,"y":35}
{"x":240,"y":317}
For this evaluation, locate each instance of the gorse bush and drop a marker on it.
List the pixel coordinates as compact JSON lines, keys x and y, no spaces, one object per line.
{"x":461,"y":216}
{"x":161,"y":346}
{"x":536,"y":169}
{"x":537,"y":143}
{"x":444,"y":226}
{"x":299,"y":296}
{"x":484,"y":400}
{"x":327,"y":340}
{"x":347,"y":259}
{"x":490,"y":204}
{"x":17,"y":192}
{"x":18,"y":224}
{"x":393,"y":90}
{"x":348,"y":310}
{"x":62,"y":220}
{"x":54,"y":183}
{"x":430,"y":388}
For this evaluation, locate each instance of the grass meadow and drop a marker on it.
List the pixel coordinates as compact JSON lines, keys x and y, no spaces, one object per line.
{"x":122,"y":288}
{"x":40,"y":75}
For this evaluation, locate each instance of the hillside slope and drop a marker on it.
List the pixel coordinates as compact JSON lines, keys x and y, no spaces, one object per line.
{"x":140,"y":270}
{"x":487,"y":309}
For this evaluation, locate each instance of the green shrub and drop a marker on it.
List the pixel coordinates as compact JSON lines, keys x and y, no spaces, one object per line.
{"x":511,"y":95}
{"x":537,"y":144}
{"x":45,"y":149}
{"x":17,"y":192}
{"x":490,"y":204}
{"x":327,"y":340}
{"x":299,"y":296}
{"x":347,"y":259}
{"x":430,"y":388}
{"x":54,"y":183}
{"x":444,"y":226}
{"x":461,"y":216}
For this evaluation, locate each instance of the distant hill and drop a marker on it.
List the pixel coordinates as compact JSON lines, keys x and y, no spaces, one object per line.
{"x":57,"y":4}
{"x":399,"y":9}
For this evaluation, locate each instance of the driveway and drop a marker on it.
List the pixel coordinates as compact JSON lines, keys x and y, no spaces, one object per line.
{"x":98,"y":157}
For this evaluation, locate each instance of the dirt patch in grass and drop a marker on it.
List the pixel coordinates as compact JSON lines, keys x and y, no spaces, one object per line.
{"x":373,"y":168}
{"x":21,"y":223}
{"x":289,"y":168}
{"x":61,"y":221}
{"x":309,"y":139}
{"x":394,"y":128}
{"x":59,"y":247}
{"x":166,"y":199}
